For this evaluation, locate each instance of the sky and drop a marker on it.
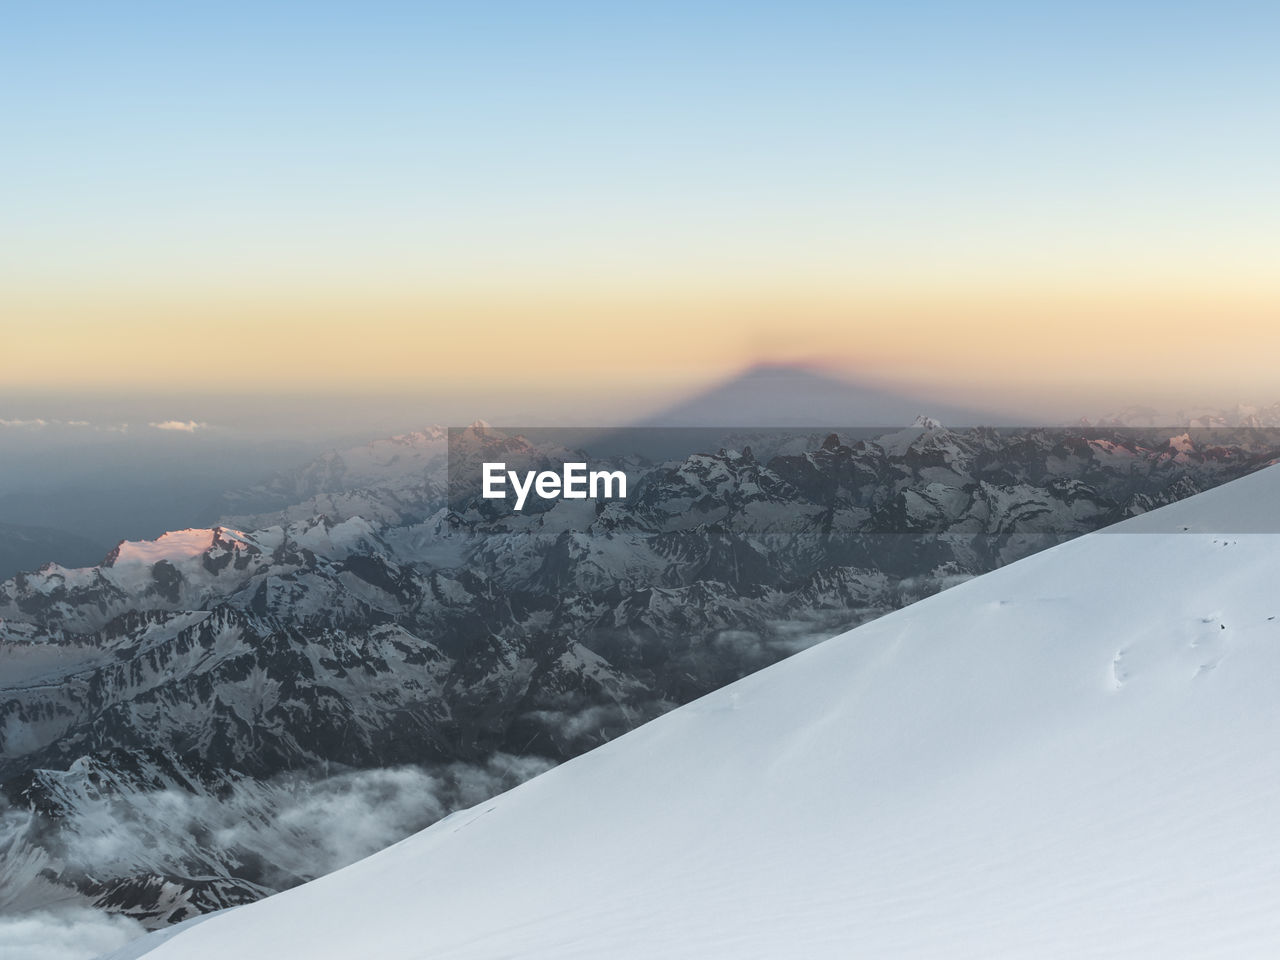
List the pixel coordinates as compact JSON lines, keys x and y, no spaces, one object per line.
{"x":604,"y":202}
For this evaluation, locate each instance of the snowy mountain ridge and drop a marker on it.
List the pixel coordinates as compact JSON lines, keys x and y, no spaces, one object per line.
{"x":1070,"y":756}
{"x":228,"y":665}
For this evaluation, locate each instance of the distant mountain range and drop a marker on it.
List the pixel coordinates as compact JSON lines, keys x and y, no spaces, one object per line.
{"x":348,"y":618}
{"x":1073,"y":756}
{"x":1241,"y":415}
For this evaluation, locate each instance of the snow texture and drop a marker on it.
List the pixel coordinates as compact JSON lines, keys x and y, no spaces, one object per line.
{"x":1073,"y":756}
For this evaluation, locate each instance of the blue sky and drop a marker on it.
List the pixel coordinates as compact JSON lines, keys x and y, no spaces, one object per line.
{"x":840,"y":148}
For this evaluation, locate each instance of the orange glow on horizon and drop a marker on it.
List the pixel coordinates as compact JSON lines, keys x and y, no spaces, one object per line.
{"x":966,"y":339}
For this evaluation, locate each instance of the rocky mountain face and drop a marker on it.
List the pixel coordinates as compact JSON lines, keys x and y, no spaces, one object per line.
{"x":177,"y":722}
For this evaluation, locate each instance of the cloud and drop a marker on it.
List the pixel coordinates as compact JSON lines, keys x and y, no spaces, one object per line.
{"x":75,"y":933}
{"x":39,"y":423}
{"x":319,"y":826}
{"x":612,"y":718}
{"x":272,"y":833}
{"x":185,"y":426}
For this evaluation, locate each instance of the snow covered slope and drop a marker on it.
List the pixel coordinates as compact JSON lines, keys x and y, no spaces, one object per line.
{"x":1073,"y":756}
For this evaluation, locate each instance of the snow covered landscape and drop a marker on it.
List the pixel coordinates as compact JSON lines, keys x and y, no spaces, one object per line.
{"x":208,"y":718}
{"x":1072,"y":756}
{"x":639,"y":482}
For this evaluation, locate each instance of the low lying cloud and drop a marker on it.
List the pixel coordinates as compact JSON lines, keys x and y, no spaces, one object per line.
{"x":47,"y":423}
{"x":611,"y":719}
{"x":321,"y":826}
{"x":54,"y":423}
{"x":71,"y":933}
{"x":185,"y":426}
{"x":263,"y":835}
{"x":37,"y":423}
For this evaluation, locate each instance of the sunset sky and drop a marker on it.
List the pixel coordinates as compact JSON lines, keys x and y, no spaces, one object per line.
{"x":997,"y":199}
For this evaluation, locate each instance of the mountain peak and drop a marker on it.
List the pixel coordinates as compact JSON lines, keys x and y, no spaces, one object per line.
{"x":175,"y":544}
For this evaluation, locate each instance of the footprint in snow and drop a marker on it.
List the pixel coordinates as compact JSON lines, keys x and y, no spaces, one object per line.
{"x":1118,"y":673}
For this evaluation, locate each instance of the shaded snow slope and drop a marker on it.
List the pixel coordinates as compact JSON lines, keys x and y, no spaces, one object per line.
{"x":1073,"y":756}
